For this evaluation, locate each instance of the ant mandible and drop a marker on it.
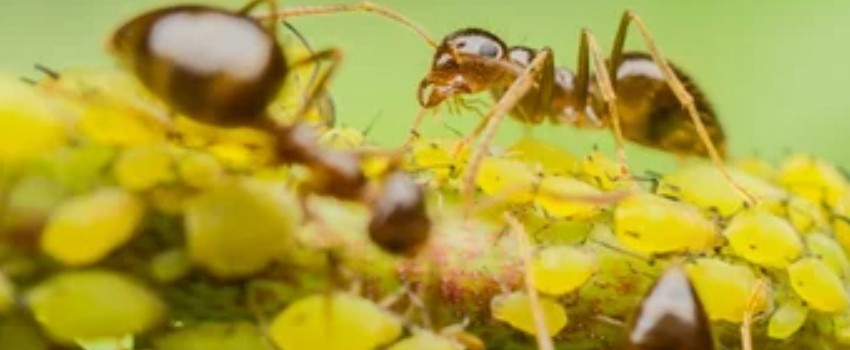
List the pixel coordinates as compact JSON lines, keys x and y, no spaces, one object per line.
{"x":641,"y":96}
{"x":223,"y":68}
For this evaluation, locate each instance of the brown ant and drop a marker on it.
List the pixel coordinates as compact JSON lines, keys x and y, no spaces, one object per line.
{"x":641,"y":96}
{"x":223,"y":68}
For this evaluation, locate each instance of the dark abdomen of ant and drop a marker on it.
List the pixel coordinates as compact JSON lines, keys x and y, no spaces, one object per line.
{"x":212,"y":65}
{"x":651,"y":115}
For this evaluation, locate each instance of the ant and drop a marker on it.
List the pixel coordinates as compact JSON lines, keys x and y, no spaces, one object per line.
{"x":223,"y":68}
{"x":641,"y":96}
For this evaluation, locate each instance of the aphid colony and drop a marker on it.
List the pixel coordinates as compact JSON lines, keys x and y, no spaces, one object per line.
{"x":166,"y":207}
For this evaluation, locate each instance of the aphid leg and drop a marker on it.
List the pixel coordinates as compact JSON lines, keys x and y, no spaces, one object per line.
{"x":589,"y":49}
{"x":678,"y":89}
{"x":363,"y":6}
{"x":494,"y":119}
{"x":544,"y":340}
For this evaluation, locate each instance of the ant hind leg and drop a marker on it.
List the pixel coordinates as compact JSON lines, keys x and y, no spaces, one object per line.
{"x":678,"y":89}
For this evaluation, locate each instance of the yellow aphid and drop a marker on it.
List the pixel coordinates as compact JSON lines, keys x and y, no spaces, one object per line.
{"x":599,"y":170}
{"x":170,"y":265}
{"x":240,"y":227}
{"x":425,"y":341}
{"x":28,"y":129}
{"x":552,"y":160}
{"x":787,"y":319}
{"x":822,"y":246}
{"x":85,"y":229}
{"x":435,"y":156}
{"x":804,"y":215}
{"x":723,"y":287}
{"x":704,"y":186}
{"x":813,"y":179}
{"x":214,"y":336}
{"x":757,"y":167}
{"x":7,"y":294}
{"x":553,"y":195}
{"x":112,"y":108}
{"x":818,"y":285}
{"x":240,"y":148}
{"x":92,"y":305}
{"x":115,"y":124}
{"x":510,"y":180}
{"x":558,"y":270}
{"x":199,"y":170}
{"x":333,"y":322}
{"x":342,"y":138}
{"x":141,"y":168}
{"x":515,"y":310}
{"x":648,"y":223}
{"x":763,"y":238}
{"x":841,"y":231}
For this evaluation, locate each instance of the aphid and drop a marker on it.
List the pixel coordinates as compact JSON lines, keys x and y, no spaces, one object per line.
{"x":337,"y":322}
{"x":763,"y":238}
{"x":818,"y":285}
{"x":652,"y":224}
{"x":641,"y":96}
{"x":671,"y":316}
{"x":709,"y":275}
{"x":562,"y":269}
{"x":787,"y":319}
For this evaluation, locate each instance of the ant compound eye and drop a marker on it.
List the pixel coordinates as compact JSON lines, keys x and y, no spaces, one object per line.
{"x":475,"y":42}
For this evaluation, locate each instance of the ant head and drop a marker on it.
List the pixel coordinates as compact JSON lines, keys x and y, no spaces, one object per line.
{"x":467,"y":61}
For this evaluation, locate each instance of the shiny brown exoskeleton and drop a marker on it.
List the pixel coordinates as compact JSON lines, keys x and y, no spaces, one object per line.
{"x":400,"y":207}
{"x":641,"y":96}
{"x":224,"y":68}
{"x":648,"y":109}
{"x":671,"y":317}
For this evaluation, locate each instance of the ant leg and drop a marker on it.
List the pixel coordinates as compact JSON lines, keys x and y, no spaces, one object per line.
{"x":746,"y":325}
{"x":678,"y":89}
{"x":363,"y":6}
{"x":314,"y":94}
{"x":272,"y":20}
{"x":589,"y":47}
{"x":494,"y":118}
{"x":544,"y":340}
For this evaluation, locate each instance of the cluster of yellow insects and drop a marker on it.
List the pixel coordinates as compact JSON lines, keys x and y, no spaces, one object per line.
{"x":202,"y":198}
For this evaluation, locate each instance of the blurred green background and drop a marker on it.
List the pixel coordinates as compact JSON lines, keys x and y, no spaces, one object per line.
{"x":776,"y":71}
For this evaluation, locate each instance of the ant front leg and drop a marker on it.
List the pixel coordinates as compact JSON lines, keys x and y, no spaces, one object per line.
{"x":589,"y":47}
{"x":685,"y":98}
{"x":494,"y":118}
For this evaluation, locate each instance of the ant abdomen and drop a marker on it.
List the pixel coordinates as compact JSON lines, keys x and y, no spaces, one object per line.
{"x":651,"y":115}
{"x":215,"y":66}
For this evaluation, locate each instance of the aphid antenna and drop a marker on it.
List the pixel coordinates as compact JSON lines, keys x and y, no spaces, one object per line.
{"x":52,"y":74}
{"x":617,"y":249}
{"x":372,"y":122}
{"x":28,"y":81}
